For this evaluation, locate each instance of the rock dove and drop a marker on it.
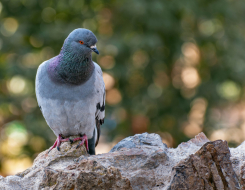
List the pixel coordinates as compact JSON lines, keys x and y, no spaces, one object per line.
{"x":71,"y":92}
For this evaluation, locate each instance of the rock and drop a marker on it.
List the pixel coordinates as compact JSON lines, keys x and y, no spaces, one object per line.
{"x":139,"y":141}
{"x":238,"y":162}
{"x":138,"y":162}
{"x":209,"y":168}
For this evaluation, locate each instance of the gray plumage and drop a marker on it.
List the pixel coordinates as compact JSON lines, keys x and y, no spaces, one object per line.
{"x":70,"y":89}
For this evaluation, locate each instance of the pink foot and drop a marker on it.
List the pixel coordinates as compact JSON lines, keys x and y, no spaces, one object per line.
{"x":83,"y":139}
{"x":58,"y":141}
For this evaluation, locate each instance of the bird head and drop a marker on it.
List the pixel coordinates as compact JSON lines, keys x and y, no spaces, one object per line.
{"x":81,"y":41}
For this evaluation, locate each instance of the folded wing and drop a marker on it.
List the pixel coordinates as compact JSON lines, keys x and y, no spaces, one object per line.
{"x":100,"y":106}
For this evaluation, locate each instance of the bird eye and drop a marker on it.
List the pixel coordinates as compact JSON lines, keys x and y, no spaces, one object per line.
{"x":81,"y":42}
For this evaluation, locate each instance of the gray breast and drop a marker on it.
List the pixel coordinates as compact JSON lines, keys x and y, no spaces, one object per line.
{"x":67,"y":109}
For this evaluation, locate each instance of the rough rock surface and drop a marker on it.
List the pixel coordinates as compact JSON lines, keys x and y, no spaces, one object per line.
{"x":138,"y":162}
{"x":209,"y":168}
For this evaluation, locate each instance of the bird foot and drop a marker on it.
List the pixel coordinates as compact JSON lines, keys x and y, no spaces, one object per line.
{"x":84,"y":140}
{"x":58,"y":142}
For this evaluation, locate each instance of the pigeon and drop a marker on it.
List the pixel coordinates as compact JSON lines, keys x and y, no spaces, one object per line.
{"x":70,"y":91}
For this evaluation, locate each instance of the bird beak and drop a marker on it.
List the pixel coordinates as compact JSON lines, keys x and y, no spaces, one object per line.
{"x":94,"y":49}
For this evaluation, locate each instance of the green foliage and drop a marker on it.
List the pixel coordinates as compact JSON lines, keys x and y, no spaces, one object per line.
{"x":173,"y":67}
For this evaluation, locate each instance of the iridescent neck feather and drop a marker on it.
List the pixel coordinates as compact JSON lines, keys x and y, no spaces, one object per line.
{"x":71,"y":68}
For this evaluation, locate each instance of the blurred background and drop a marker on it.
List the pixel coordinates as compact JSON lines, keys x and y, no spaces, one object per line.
{"x":175,"y":68}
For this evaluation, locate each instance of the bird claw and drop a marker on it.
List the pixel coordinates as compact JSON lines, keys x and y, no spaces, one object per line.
{"x":80,"y":144}
{"x":84,"y":140}
{"x":58,"y":141}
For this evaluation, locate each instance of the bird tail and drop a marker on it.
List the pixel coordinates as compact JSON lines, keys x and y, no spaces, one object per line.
{"x":98,"y":123}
